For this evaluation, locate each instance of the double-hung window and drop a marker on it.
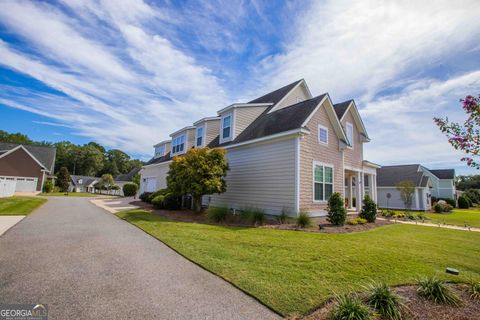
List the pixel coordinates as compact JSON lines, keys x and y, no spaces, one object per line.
{"x":322,"y":135}
{"x":178,"y":144}
{"x":160,"y":151}
{"x":226,"y":127}
{"x":350,"y":133}
{"x":199,"y":137}
{"x":322,"y":182}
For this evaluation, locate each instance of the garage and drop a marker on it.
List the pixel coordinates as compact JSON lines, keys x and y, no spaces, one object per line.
{"x":23,"y":184}
{"x":150,"y":184}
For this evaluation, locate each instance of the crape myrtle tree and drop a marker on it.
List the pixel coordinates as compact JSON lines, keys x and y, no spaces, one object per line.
{"x":407,"y":189}
{"x":199,"y":172}
{"x":466,"y":136}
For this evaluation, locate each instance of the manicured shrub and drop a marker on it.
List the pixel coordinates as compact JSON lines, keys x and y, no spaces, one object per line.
{"x":387,"y":213}
{"x":470,"y":202}
{"x":304,"y":220}
{"x":153,"y":195}
{"x":463,"y":202}
{"x":436,"y":290}
{"x":354,"y":222}
{"x":438,"y":207}
{"x":369,"y":209}
{"x":350,"y":308}
{"x":383,"y":300}
{"x":130,"y":189}
{"x":217,"y":214}
{"x":447,"y":208}
{"x":474,"y":289}
{"x":159,"y":202}
{"x":473,"y":194}
{"x":450,"y":202}
{"x":172,"y":202}
{"x":48,"y":186}
{"x":421,"y":216}
{"x":399,"y":215}
{"x":337,"y":214}
{"x":283,"y":217}
{"x":144,"y":196}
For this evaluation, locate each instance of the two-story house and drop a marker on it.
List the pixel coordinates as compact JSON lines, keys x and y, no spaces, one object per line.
{"x":286,"y":150}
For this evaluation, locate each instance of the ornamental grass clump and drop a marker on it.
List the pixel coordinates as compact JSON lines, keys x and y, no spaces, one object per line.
{"x":382,"y":299}
{"x":283,"y":217}
{"x":437,"y":291}
{"x":304,"y":220}
{"x":474,"y":289}
{"x":350,"y":308}
{"x":217,"y":214}
{"x":258,"y":216}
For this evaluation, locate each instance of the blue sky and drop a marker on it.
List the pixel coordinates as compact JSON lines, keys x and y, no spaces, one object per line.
{"x":127,"y":73}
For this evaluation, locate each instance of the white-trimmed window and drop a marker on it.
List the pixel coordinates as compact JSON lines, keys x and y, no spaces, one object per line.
{"x":350,"y":133}
{"x":227,"y":127}
{"x":178,"y":144}
{"x":322,"y":182}
{"x":199,"y":137}
{"x":160,"y":151}
{"x":322,"y":135}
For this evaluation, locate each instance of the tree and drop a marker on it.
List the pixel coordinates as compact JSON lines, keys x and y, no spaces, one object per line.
{"x":63,"y":179}
{"x":200,"y":171}
{"x":91,"y":160}
{"x":106,"y":181}
{"x":468,"y":182}
{"x":337,"y":214}
{"x":407,"y":189}
{"x":136,"y":179}
{"x":465,"y":137}
{"x":14,"y":138}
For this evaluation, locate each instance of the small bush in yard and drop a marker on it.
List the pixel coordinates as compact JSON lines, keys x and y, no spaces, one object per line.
{"x":350,"y":308}
{"x":217,"y":214}
{"x":436,"y":290}
{"x":258,"y":217}
{"x":382,"y":299}
{"x":337,"y":214}
{"x":474,"y":289}
{"x":438,"y":207}
{"x":48,"y":186}
{"x":369,"y":209}
{"x":304,"y":220}
{"x":159,"y":202}
{"x":144,"y":196}
{"x":354,"y":222}
{"x":283,"y":217}
{"x":463,"y":203}
{"x":153,"y":195}
{"x":130,"y":189}
{"x":387,"y":213}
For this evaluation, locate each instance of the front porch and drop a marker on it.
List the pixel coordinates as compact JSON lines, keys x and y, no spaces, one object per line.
{"x":357,"y":184}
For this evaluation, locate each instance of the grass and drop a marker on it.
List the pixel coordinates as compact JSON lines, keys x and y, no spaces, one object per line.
{"x":70,"y":194}
{"x":19,"y":206}
{"x":458,"y":217}
{"x":293,"y":272}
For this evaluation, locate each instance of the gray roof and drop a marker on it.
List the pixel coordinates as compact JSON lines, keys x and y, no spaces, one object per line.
{"x":127,"y":176}
{"x":390,"y":176}
{"x":45,"y":155}
{"x":341,"y":108}
{"x":277,"y":95}
{"x":444,"y":173}
{"x":83,"y":180}
{"x":159,"y":159}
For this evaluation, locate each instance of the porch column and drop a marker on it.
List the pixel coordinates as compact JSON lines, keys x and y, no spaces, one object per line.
{"x":374,"y":183}
{"x":350,"y":191}
{"x":370,"y":186}
{"x":360,"y":186}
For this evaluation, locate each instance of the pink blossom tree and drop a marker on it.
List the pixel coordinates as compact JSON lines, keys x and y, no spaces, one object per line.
{"x":465,"y":137}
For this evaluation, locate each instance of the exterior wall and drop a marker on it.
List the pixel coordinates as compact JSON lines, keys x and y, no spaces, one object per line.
{"x":311,"y":150}
{"x":261,"y":175}
{"x":445,"y":189}
{"x":297,"y":95}
{"x":212,"y":130}
{"x":20,"y":164}
{"x":190,"y":141}
{"x":353,"y":157}
{"x":159,"y":172}
{"x":395,"y":202}
{"x":243,"y":117}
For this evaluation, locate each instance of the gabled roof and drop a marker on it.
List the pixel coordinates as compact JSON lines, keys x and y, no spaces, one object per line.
{"x":83,"y":180}
{"x":341,"y":108}
{"x":390,"y":176}
{"x":277,"y":95}
{"x":127,"y":176}
{"x":154,"y":160}
{"x":42,"y":154}
{"x":444,"y":173}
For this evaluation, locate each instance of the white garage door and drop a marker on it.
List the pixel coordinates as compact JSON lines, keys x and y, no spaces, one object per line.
{"x":150,"y":185}
{"x":23,"y":184}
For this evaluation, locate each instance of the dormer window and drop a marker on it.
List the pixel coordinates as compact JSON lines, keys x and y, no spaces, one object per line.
{"x":226,"y":127}
{"x":80,"y":181}
{"x":350,"y":133}
{"x":178,"y":144}
{"x":160,"y":151}
{"x":199,"y":137}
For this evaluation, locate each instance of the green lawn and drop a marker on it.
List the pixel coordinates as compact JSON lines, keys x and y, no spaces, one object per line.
{"x":293,"y":272}
{"x":70,"y":194}
{"x":458,"y":217}
{"x":12,"y":206}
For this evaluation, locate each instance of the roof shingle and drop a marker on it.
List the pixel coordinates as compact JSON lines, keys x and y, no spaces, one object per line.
{"x":44,"y":154}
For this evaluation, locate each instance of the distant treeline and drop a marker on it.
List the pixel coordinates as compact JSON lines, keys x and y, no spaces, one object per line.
{"x":90,"y":159}
{"x":468,"y":182}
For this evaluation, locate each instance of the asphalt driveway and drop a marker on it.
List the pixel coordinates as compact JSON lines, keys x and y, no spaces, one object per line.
{"x":86,"y":263}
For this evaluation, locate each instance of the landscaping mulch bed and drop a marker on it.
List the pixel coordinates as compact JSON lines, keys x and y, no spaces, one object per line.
{"x":321,"y":225}
{"x":419,"y":308}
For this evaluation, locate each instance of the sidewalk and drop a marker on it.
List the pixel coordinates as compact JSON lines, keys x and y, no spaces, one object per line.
{"x":6,"y":222}
{"x":115,"y":205}
{"x":445,"y":226}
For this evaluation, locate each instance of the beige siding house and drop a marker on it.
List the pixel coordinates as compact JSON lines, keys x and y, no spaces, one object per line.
{"x":287,"y":150}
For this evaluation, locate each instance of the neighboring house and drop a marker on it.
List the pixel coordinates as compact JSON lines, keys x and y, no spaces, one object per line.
{"x":286,"y":150}
{"x":428,"y":184}
{"x":29,"y":166}
{"x":124,"y":178}
{"x":82,"y":184}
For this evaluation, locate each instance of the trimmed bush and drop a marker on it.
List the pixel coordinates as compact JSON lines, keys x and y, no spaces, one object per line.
{"x":172,"y":202}
{"x":144,"y":196}
{"x":383,"y":300}
{"x":350,"y":308}
{"x":337,"y":214}
{"x":438,"y":208}
{"x":153,"y":195}
{"x":159,"y":202}
{"x":436,"y":290}
{"x":48,"y":186}
{"x":369,"y":209}
{"x":354,"y":222}
{"x":387,"y":213}
{"x":130,"y":189}
{"x":217,"y":214}
{"x":304,"y":220}
{"x":463,"y":203}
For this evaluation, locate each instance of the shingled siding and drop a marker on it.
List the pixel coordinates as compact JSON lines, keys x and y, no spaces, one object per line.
{"x":261,"y":175}
{"x":311,"y":150}
{"x":297,"y":95}
{"x":212,"y":130}
{"x":159,"y":172}
{"x":353,"y":157}
{"x":245,"y":116}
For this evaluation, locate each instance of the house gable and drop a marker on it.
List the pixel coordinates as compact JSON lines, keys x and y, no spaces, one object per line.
{"x":20,"y":163}
{"x":353,"y":154}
